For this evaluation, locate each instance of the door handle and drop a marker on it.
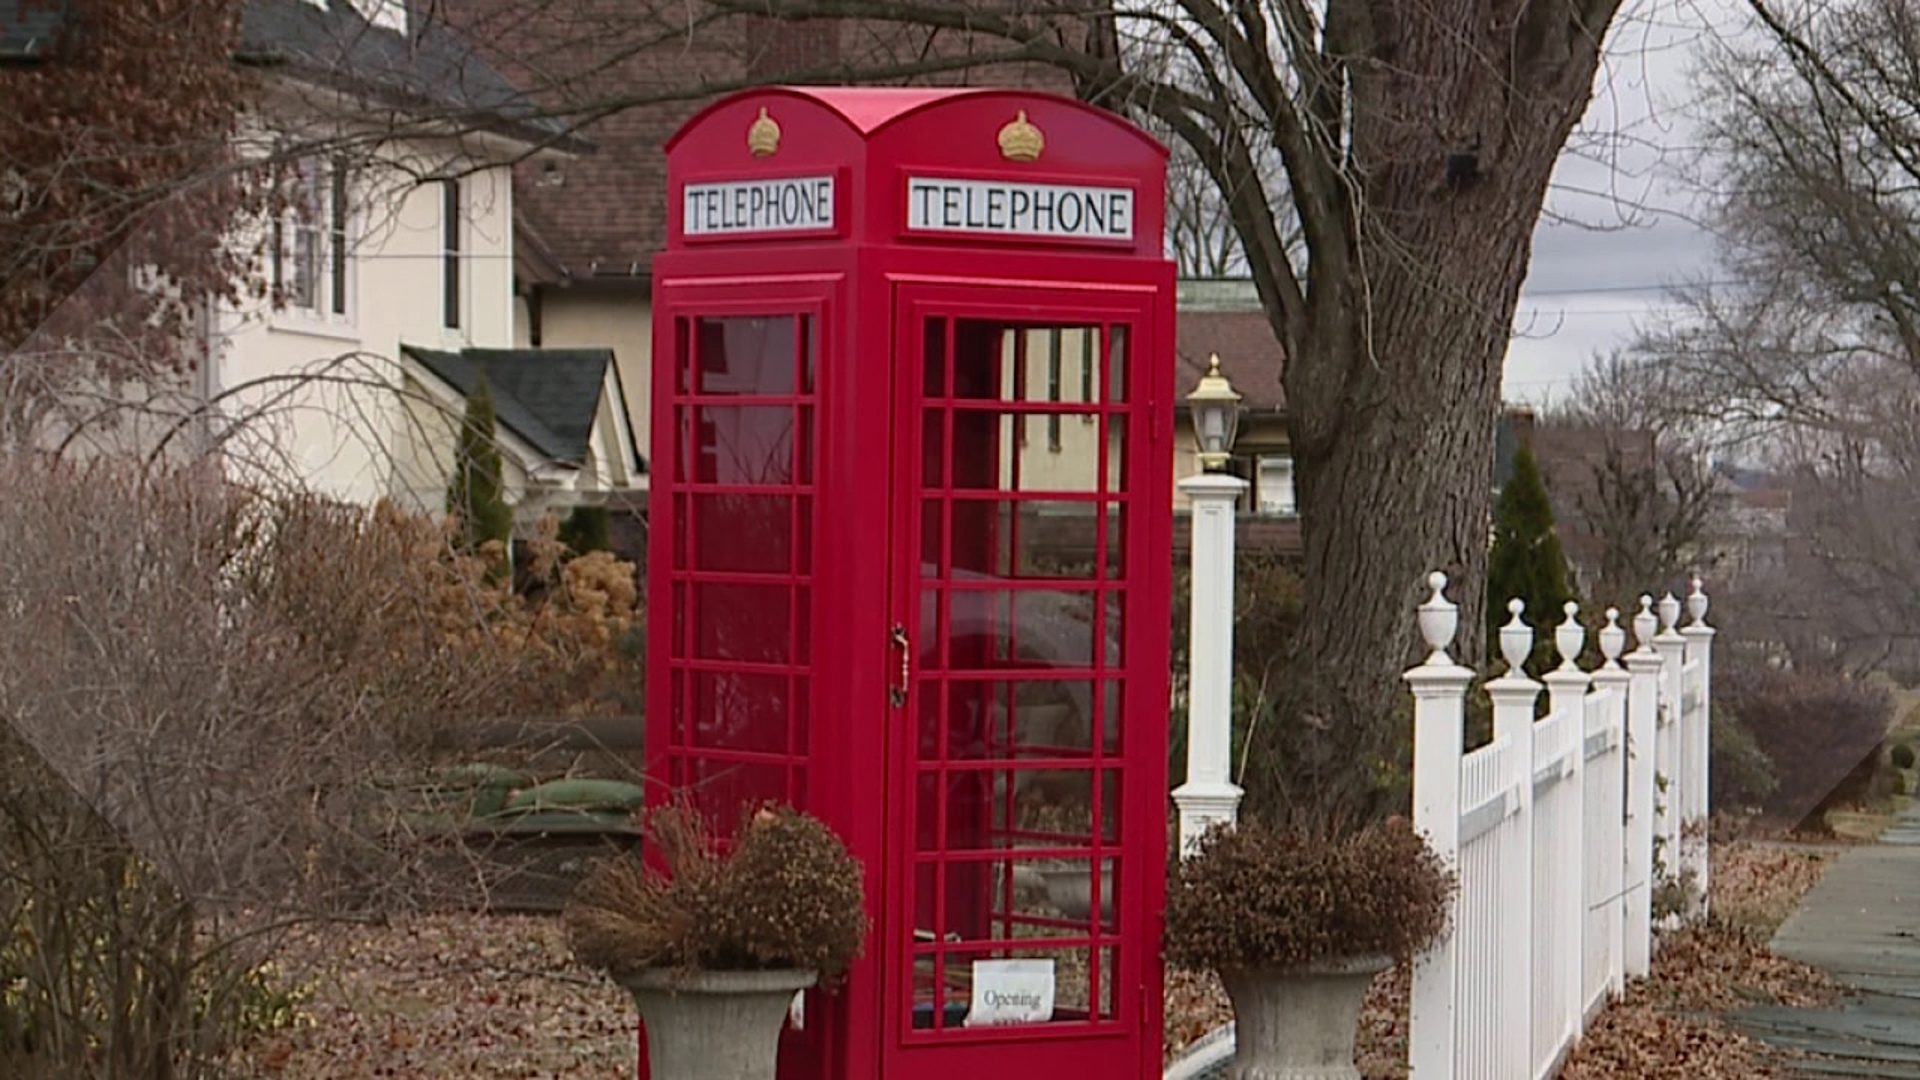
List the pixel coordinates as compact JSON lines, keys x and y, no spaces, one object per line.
{"x":897,"y":694}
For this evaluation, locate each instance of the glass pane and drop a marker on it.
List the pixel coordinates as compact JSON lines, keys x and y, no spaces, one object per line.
{"x":732,"y":711}
{"x":802,"y":625}
{"x":1036,"y":538}
{"x":1117,"y":358}
{"x":1027,"y":628}
{"x":1111,"y":699}
{"x":1106,"y":982}
{"x":802,"y":710}
{"x":1116,"y":478}
{"x":1031,"y":362}
{"x":803,"y":448}
{"x":743,"y":533}
{"x":682,"y":541}
{"x":1035,"y":984}
{"x":1016,"y":896}
{"x":722,"y":789}
{"x":749,"y":355}
{"x":809,"y":353}
{"x":1113,"y":616}
{"x":1023,"y":452}
{"x":932,"y":530}
{"x":677,"y":692}
{"x":933,"y":449}
{"x":1008,"y":720}
{"x":803,"y":535}
{"x":933,"y":356}
{"x":735,"y":444}
{"x":684,"y":359}
{"x":742,"y":622}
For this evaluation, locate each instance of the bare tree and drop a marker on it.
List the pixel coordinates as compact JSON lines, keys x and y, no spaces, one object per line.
{"x":1811,"y":358}
{"x":1634,"y":486}
{"x":1415,"y":143}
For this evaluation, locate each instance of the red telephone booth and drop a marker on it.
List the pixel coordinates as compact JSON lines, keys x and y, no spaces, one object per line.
{"x":909,"y":562}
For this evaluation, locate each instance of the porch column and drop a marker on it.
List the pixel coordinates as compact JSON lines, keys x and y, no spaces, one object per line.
{"x":1209,"y":795}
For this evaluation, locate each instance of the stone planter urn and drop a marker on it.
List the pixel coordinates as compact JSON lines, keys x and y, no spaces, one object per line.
{"x":714,"y":1025}
{"x":1299,"y":1023}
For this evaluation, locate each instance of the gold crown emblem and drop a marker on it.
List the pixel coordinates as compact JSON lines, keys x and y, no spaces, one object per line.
{"x":763,"y":135}
{"x":1020,"y":140}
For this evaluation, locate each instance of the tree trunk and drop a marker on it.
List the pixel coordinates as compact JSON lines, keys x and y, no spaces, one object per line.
{"x":1382,"y":503}
{"x":1393,"y":395}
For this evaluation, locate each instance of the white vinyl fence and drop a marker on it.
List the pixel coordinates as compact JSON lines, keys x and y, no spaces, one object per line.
{"x":1562,"y":830}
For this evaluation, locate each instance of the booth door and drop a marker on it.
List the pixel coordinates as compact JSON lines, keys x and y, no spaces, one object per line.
{"x":1029,"y":793}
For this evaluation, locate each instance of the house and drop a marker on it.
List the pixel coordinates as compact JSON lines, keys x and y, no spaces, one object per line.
{"x":588,"y":228}
{"x":389,"y":270}
{"x":560,"y":420}
{"x":1224,"y":318}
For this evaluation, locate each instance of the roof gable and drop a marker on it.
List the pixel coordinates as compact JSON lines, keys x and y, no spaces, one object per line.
{"x":27,"y":30}
{"x":548,"y":397}
{"x":330,"y":43}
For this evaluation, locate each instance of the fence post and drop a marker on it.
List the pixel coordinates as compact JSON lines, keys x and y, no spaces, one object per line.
{"x":1566,"y":690}
{"x":1699,"y":639}
{"x":1673,"y":778}
{"x":1643,"y":706}
{"x":1439,"y":692}
{"x":1612,"y":679}
{"x":1514,"y":697}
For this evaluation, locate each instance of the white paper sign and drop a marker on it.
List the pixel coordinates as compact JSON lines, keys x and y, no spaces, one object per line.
{"x":1011,"y":992}
{"x":1008,"y":208}
{"x":777,"y":204}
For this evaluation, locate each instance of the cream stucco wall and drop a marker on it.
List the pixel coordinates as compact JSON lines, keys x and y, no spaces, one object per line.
{"x":319,"y":396}
{"x":617,"y":317}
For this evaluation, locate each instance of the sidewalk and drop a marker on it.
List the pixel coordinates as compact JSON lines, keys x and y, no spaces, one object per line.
{"x":1861,"y":925}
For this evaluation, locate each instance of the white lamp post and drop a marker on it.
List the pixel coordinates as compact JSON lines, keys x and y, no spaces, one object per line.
{"x":1209,"y":794}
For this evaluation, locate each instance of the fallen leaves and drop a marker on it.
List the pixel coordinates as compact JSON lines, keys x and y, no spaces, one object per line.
{"x":1670,"y":1024}
{"x":457,"y":996}
{"x":470,"y":996}
{"x":1758,"y":885}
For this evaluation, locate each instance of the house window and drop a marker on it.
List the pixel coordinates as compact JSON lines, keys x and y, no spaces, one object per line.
{"x":1274,"y":486}
{"x":1269,"y":480}
{"x":450,"y":216}
{"x":311,"y":242}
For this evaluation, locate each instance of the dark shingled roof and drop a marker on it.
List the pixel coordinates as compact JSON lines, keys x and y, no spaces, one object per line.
{"x":429,"y":69}
{"x":27,"y":30}
{"x":549,"y":397}
{"x":1250,"y":356}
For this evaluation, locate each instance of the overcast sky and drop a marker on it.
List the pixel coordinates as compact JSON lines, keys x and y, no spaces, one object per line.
{"x":1589,"y":287}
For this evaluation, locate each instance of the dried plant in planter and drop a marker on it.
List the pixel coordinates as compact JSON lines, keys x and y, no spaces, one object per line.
{"x":784,"y":895}
{"x":1259,"y":897}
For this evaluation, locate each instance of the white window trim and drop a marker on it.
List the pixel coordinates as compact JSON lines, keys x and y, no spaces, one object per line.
{"x":334,"y":238}
{"x":460,"y":228}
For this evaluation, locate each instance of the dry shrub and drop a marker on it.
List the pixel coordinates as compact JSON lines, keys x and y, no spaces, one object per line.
{"x":785,"y":895}
{"x":201,"y":686}
{"x":1256,"y":896}
{"x":1822,"y":732}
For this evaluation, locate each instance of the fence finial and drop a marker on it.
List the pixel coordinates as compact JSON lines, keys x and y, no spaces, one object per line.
{"x":1645,"y":624}
{"x":1697,"y":604}
{"x":1570,"y":637}
{"x":1439,"y":620}
{"x":1669,"y":613}
{"x":1612,"y":639}
{"x":1516,"y":638}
